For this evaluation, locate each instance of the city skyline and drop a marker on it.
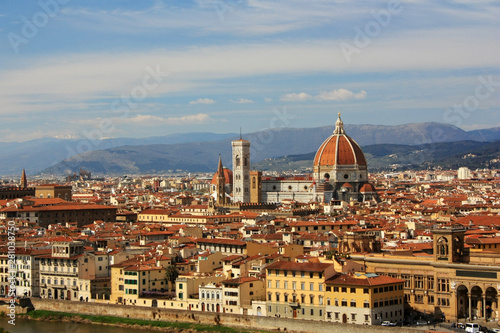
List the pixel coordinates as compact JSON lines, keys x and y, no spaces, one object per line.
{"x":160,"y":67}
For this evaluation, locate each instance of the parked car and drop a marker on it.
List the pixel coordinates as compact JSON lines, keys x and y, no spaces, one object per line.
{"x":472,"y":328}
{"x":388,"y":323}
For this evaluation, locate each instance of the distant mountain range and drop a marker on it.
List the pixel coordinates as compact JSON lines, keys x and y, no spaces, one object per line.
{"x":37,"y":155}
{"x":446,"y":155}
{"x":198,"y":152}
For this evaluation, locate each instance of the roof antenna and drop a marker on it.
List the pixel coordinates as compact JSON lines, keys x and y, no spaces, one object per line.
{"x":240,"y":133}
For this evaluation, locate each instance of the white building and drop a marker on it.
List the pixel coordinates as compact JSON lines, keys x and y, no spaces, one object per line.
{"x":464,"y":173}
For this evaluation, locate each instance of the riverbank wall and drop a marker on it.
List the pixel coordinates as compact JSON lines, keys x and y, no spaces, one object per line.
{"x":208,"y":318}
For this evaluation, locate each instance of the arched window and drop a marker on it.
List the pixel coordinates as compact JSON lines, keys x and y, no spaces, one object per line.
{"x":442,"y":247}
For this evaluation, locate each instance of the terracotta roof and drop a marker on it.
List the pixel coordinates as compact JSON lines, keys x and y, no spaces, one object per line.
{"x":300,"y":267}
{"x":225,"y":241}
{"x":228,"y":177}
{"x":350,"y":280}
{"x":367,"y":188}
{"x":339,"y":149}
{"x":239,"y":280}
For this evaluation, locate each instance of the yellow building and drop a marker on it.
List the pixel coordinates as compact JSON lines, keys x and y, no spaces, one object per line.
{"x":454,"y":283}
{"x":365,"y":299}
{"x":129,"y":282}
{"x":53,"y":191}
{"x":297,"y":290}
{"x":239,"y":293}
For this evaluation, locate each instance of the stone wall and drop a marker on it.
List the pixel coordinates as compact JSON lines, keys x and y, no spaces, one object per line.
{"x":210,"y":318}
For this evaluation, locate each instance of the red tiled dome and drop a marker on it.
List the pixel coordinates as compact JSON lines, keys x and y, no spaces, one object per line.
{"x":228,"y":177}
{"x":367,"y":188}
{"x":339,"y":149}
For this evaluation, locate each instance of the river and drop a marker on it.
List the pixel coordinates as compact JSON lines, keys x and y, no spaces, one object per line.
{"x":36,"y":326}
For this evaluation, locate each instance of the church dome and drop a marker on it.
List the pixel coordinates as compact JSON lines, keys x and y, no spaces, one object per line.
{"x":339,"y":150}
{"x":367,"y":188}
{"x":228,"y":177}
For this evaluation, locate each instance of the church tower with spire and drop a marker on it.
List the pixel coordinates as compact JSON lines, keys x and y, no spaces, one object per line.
{"x":221,"y":184}
{"x":23,"y":184}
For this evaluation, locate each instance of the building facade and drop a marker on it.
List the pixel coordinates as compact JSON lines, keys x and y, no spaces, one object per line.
{"x":340,"y":172}
{"x":364,"y":299}
{"x":297,"y":290}
{"x":453,"y":283}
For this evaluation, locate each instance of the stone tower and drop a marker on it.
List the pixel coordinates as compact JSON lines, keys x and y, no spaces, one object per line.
{"x":24,"y":182}
{"x":449,"y":244}
{"x":221,"y":184}
{"x":241,"y":170}
{"x":255,"y":186}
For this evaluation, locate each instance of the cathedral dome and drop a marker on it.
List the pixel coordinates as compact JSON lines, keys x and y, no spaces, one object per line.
{"x":339,"y":150}
{"x":228,"y":177}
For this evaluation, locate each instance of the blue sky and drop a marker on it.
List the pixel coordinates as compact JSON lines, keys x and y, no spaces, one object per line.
{"x":75,"y":69}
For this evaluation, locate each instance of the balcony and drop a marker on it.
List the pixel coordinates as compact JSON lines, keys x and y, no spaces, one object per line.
{"x":294,"y":304}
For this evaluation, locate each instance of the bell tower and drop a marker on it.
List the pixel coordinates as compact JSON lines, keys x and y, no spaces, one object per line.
{"x":24,"y":182}
{"x":241,"y":170}
{"x":449,"y":244}
{"x":221,"y":184}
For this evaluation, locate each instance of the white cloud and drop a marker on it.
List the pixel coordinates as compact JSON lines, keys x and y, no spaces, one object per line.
{"x":146,"y":119}
{"x":340,"y":95}
{"x":244,"y":17}
{"x":203,"y":101}
{"x":334,"y":95}
{"x":85,"y":77}
{"x":243,"y":101}
{"x":268,"y":99}
{"x":296,"y":97}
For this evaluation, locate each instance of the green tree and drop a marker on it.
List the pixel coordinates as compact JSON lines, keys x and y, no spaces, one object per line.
{"x":171,"y":275}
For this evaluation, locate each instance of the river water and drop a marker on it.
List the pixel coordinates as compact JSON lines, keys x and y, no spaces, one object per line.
{"x":35,"y":326}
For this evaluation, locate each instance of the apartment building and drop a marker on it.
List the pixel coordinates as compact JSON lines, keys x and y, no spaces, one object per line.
{"x":365,"y":299}
{"x":297,"y":290}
